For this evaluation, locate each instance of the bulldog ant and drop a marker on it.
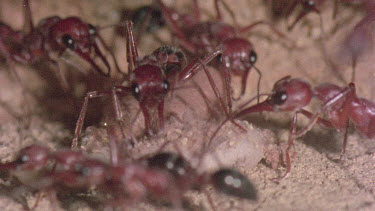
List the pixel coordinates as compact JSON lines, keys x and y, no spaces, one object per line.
{"x":340,"y":104}
{"x":146,"y":19}
{"x":165,"y":175}
{"x":168,"y":176}
{"x":53,"y":35}
{"x":148,"y":82}
{"x":199,"y":38}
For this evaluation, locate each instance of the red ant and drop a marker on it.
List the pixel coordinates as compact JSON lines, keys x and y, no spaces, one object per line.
{"x":199,"y":37}
{"x":341,"y":105}
{"x":52,"y":35}
{"x":148,"y":82}
{"x":359,"y":40}
{"x":165,"y":175}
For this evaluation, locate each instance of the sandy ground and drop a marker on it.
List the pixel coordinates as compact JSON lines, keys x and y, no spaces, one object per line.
{"x":318,"y":180}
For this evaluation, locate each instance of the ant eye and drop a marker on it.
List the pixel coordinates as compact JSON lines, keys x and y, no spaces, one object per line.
{"x":309,"y":4}
{"x":253,"y":57}
{"x":233,"y":183}
{"x":219,"y":58}
{"x":68,"y":41}
{"x":92,"y":30}
{"x":23,"y":159}
{"x":165,"y":85}
{"x":135,"y":90}
{"x":279,"y":98}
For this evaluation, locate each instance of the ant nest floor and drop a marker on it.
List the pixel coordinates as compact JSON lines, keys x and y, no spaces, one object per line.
{"x":318,"y":179}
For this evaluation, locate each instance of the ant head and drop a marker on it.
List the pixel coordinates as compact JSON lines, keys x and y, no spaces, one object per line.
{"x":233,"y":183}
{"x":172,"y":59}
{"x":239,"y":55}
{"x":29,"y":158}
{"x":289,"y":94}
{"x":73,"y":34}
{"x":171,"y":162}
{"x":148,"y":84}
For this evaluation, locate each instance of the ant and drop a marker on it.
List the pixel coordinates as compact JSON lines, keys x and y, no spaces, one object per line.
{"x":168,"y":176}
{"x":199,"y":37}
{"x":146,"y":19}
{"x":147,"y":82}
{"x":340,"y":104}
{"x":359,"y":41}
{"x":165,"y":175}
{"x":52,"y":36}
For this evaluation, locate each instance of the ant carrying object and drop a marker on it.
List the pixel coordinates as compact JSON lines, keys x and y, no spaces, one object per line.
{"x":199,"y":38}
{"x":148,"y":81}
{"x":340,"y":104}
{"x":52,"y":35}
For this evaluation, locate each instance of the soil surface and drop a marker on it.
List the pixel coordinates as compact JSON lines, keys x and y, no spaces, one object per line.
{"x":318,"y":179}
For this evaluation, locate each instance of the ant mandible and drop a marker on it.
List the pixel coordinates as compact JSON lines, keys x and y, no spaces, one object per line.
{"x":340,"y":104}
{"x":147,"y":82}
{"x":199,"y":38}
{"x":52,"y":35}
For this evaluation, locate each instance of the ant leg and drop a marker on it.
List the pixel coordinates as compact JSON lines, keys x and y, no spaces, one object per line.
{"x":216,"y":91}
{"x":335,"y":9}
{"x":354,"y":64}
{"x":219,"y":17}
{"x":111,"y":53}
{"x":292,"y":130}
{"x":345,"y":140}
{"x":161,"y":116}
{"x":28,"y":20}
{"x":227,"y":88}
{"x":197,"y":14}
{"x":81,"y":118}
{"x":299,"y":17}
{"x":261,"y":22}
{"x":320,"y":121}
{"x":131,"y":48}
{"x":167,"y":14}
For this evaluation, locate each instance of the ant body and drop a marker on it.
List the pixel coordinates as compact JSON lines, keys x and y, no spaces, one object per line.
{"x":148,"y":82}
{"x":199,"y":37}
{"x":340,"y":104}
{"x":52,"y":35}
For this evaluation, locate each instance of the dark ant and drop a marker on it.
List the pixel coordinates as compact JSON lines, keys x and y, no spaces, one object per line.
{"x":146,"y":19}
{"x":340,"y":104}
{"x":148,"y":82}
{"x":52,"y":35}
{"x":199,"y":38}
